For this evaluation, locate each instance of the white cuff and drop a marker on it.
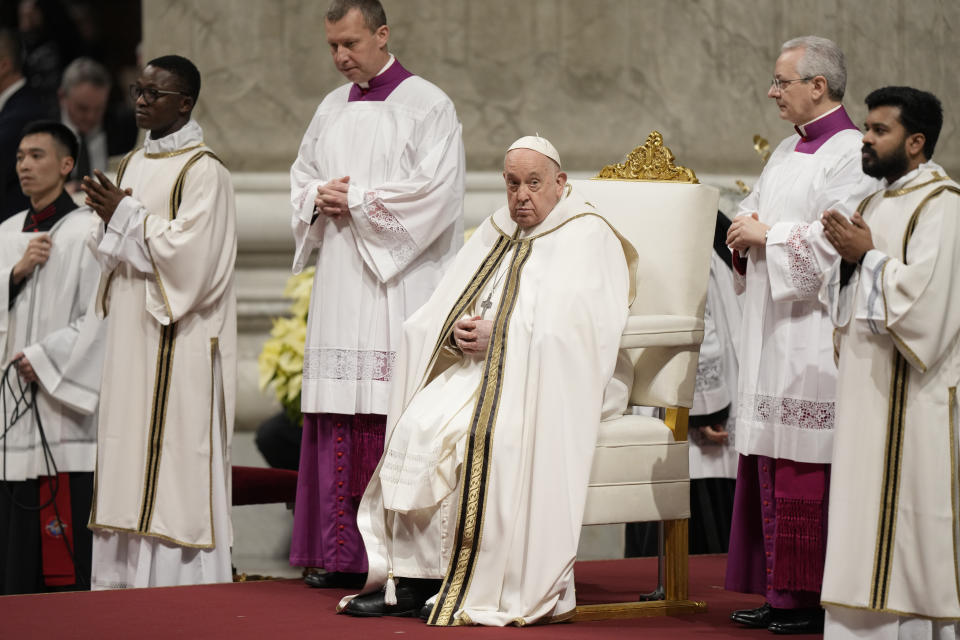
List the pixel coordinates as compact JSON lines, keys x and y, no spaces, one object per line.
{"x":870,"y":304}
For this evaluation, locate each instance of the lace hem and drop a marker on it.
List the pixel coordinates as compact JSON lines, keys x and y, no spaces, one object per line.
{"x":397,"y":239}
{"x":348,"y":364}
{"x":792,"y":412}
{"x":803,"y":271}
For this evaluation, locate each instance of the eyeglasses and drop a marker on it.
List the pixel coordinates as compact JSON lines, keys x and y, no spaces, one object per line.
{"x":779,"y":84}
{"x":150,"y":95}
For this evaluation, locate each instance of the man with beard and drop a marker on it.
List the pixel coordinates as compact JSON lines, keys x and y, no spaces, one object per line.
{"x":891,"y":567}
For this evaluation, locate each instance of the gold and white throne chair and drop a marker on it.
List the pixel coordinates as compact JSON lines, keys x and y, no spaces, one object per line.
{"x":640,"y":469}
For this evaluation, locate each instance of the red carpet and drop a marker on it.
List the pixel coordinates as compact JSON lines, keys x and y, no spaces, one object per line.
{"x":278,"y":610}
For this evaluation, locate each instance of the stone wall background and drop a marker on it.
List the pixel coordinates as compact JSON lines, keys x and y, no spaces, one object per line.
{"x":593,"y":76}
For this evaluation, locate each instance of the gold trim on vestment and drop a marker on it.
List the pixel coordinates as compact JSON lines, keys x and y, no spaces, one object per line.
{"x":475,"y":469}
{"x":890,"y":493}
{"x":630,"y":255}
{"x":896,"y":193}
{"x":214,"y":346}
{"x":158,"y":417}
{"x":954,"y":489}
{"x":170,"y":154}
{"x":896,"y":612}
{"x":150,"y":534}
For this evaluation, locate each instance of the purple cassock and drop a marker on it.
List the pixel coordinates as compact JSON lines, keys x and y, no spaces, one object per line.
{"x":338,"y":453}
{"x":778,"y":535}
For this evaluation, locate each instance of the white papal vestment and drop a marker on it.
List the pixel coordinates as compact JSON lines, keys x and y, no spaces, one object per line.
{"x":166,"y":415}
{"x":894,"y":535}
{"x":484,"y":475}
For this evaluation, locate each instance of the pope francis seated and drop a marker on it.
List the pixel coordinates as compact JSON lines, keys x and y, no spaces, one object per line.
{"x":473,"y":514}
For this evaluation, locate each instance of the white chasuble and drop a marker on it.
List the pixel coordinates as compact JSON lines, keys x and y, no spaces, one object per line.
{"x":405,"y":160}
{"x":53,"y":323}
{"x":894,"y":514}
{"x":167,"y":405}
{"x":787,"y":376}
{"x":484,"y":475}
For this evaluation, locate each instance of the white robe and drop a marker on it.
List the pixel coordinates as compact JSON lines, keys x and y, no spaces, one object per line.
{"x":50,"y":323}
{"x":894,"y":540}
{"x":405,"y":160}
{"x":717,"y":372}
{"x":787,"y":376}
{"x":505,"y":539}
{"x":169,"y":383}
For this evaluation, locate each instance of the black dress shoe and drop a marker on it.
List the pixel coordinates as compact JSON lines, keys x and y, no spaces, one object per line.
{"x":425,"y":612}
{"x":411,"y":595}
{"x":796,"y":621}
{"x":335,"y":580}
{"x":759,"y":618}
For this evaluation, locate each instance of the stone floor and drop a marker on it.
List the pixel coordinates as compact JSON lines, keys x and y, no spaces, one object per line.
{"x":261,"y":533}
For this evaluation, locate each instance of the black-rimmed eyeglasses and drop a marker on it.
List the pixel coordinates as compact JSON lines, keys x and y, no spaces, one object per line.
{"x":150,"y":95}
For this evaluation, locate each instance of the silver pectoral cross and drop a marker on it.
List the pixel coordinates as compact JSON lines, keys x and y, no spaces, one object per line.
{"x":486,"y":304}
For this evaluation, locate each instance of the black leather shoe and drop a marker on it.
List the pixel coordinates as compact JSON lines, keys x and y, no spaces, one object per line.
{"x":759,"y":618}
{"x":335,"y":580}
{"x":425,"y":611}
{"x":411,"y":596}
{"x":796,"y":621}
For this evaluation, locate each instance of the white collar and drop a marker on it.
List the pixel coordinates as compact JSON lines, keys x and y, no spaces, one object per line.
{"x":366,"y":85}
{"x":9,"y":91}
{"x":188,"y":135}
{"x":803,"y":127}
{"x":902,"y":181}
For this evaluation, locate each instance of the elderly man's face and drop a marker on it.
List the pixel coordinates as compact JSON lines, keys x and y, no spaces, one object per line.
{"x":85,"y":103}
{"x":358,"y":53}
{"x":534,"y":186}
{"x":794,"y":98}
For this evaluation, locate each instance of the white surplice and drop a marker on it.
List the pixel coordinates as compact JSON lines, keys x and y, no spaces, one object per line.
{"x":894,"y":537}
{"x":561,"y":293}
{"x":169,"y":382}
{"x":787,"y":376}
{"x":50,"y":323}
{"x":717,"y":372}
{"x":405,"y":159}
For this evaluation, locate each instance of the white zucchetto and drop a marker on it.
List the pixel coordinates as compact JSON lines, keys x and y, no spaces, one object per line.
{"x":538,"y":144}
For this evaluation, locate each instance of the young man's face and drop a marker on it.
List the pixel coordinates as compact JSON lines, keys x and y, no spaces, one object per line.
{"x":42,"y":167}
{"x":358,"y":53}
{"x":162,"y":113}
{"x":884,"y":153}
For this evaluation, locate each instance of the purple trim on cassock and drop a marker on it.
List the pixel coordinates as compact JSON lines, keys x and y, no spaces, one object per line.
{"x":815,"y":134}
{"x":381,"y":86}
{"x":763,"y":519}
{"x":334,"y":470}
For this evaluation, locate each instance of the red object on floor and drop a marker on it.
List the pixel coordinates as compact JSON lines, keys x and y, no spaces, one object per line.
{"x":56,"y":531}
{"x":259,"y":485}
{"x":289,"y":609}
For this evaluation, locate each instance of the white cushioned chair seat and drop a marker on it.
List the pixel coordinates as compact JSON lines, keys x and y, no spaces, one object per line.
{"x":639,"y":473}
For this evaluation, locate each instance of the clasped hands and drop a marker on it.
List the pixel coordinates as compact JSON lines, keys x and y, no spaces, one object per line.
{"x":746,"y":232}
{"x":851,"y":238}
{"x":472,"y":335}
{"x":331,"y":198}
{"x":102,"y":195}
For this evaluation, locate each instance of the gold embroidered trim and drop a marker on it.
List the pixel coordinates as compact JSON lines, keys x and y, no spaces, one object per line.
{"x":475,"y":469}
{"x":158,"y":416}
{"x":954,"y":490}
{"x":890,"y":494}
{"x":170,"y":154}
{"x":895,"y":193}
{"x":897,"y":612}
{"x":147,"y":534}
{"x":629,"y":251}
